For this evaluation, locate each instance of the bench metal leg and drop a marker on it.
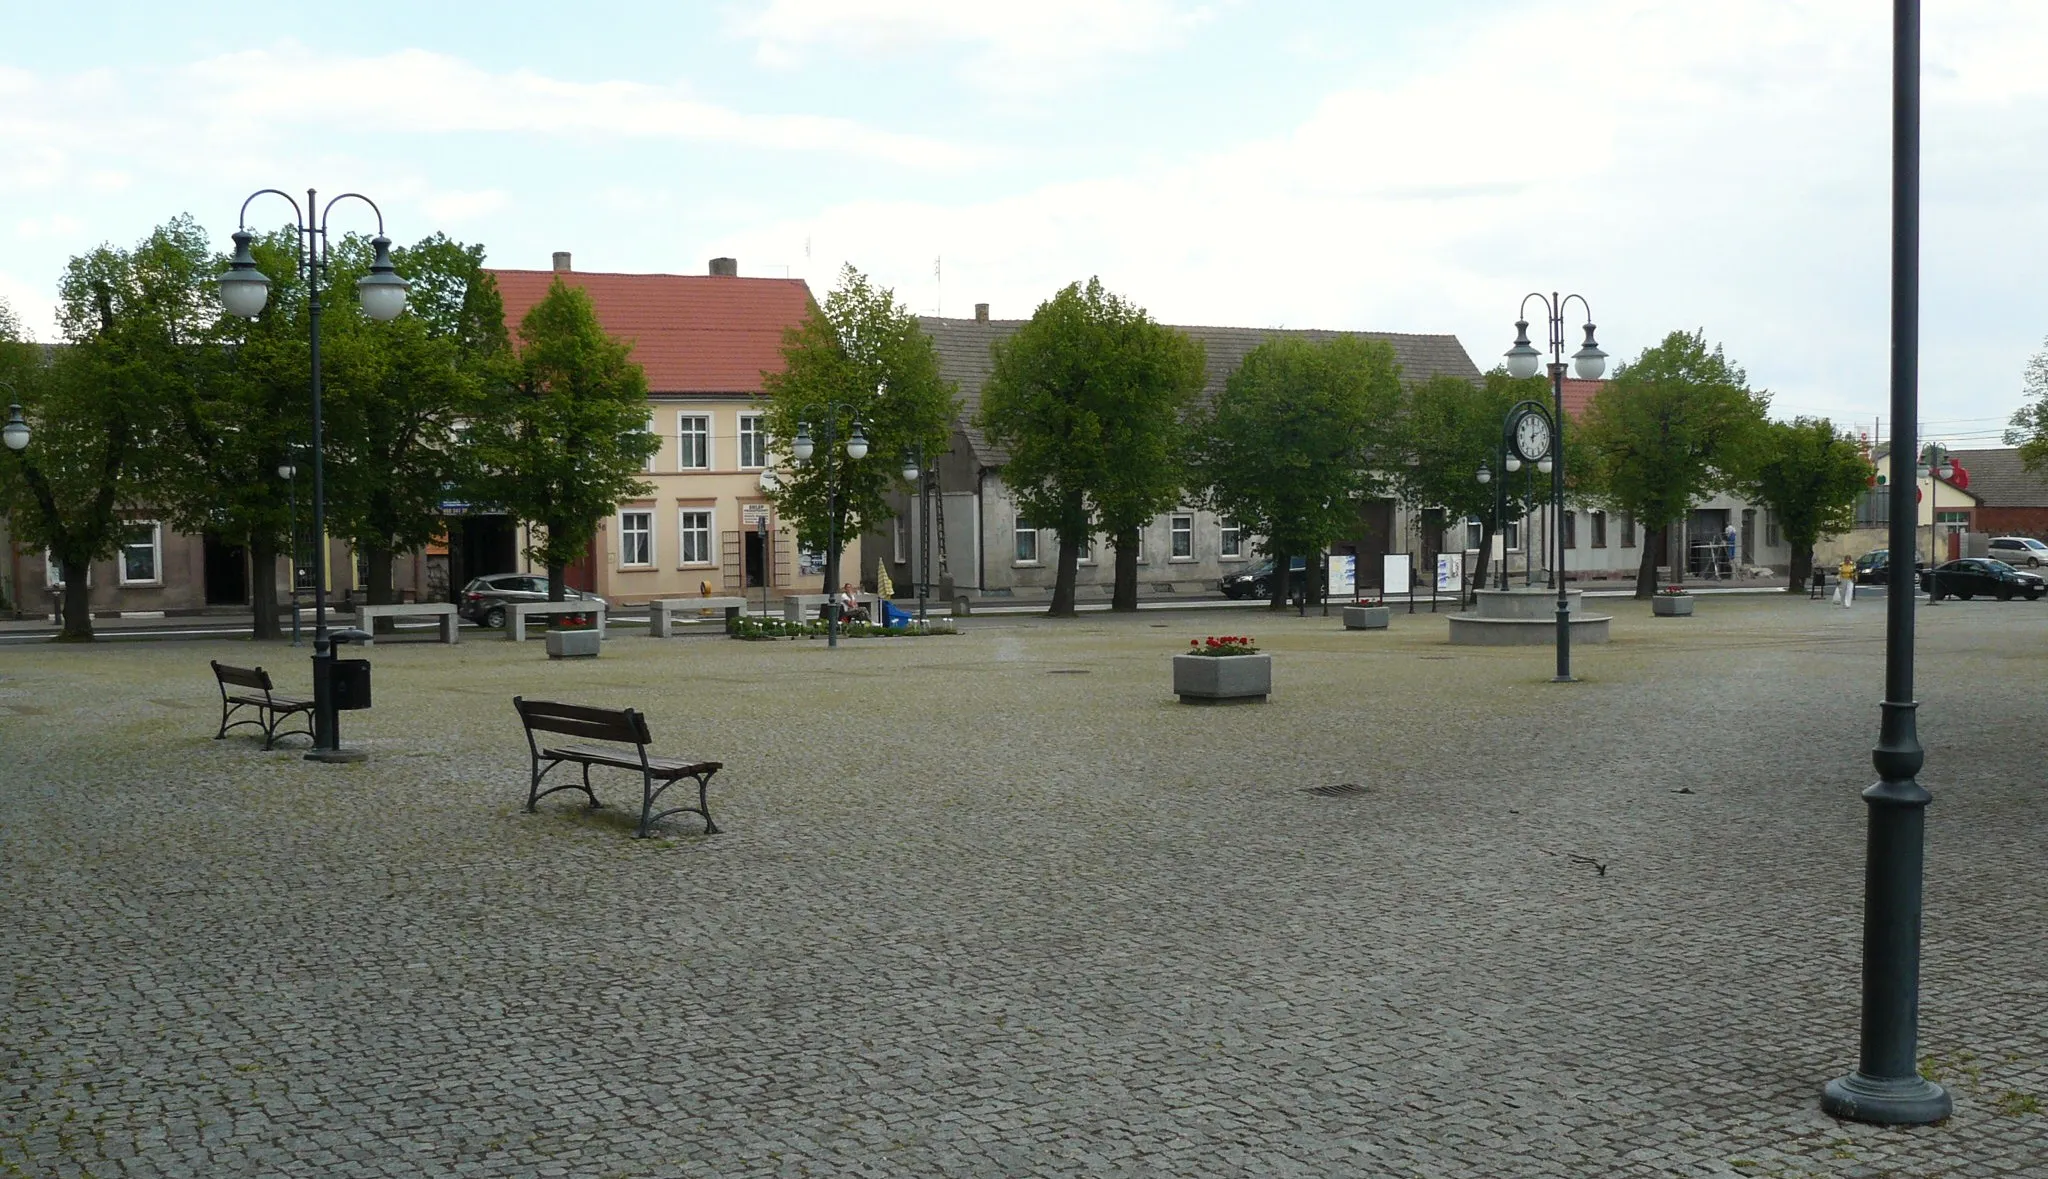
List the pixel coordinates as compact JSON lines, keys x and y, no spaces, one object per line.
{"x":649,"y":792}
{"x":534,"y":793}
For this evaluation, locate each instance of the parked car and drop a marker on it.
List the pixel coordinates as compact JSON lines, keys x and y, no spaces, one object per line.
{"x":1875,"y":567}
{"x":1256,"y":581}
{"x":1971,"y":576}
{"x":2019,"y":550}
{"x":484,"y":598}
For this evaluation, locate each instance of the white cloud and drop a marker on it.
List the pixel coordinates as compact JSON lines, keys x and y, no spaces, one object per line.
{"x":1019,"y":46}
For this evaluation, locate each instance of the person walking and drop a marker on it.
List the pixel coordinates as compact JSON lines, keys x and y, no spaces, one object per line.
{"x":1845,"y":583}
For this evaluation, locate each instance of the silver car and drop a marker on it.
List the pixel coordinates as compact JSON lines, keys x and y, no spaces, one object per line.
{"x":484,"y":598}
{"x":2022,"y":551}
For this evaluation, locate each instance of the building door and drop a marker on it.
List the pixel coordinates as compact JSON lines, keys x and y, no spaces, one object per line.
{"x":1748,"y":556}
{"x":227,"y":572}
{"x":1706,"y":542}
{"x":755,"y":558}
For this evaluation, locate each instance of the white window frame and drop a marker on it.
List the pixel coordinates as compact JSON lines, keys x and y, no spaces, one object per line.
{"x":53,"y":573}
{"x":758,"y":435}
{"x":1141,"y":546}
{"x":654,"y":455}
{"x":899,"y":542}
{"x":627,"y":533}
{"x":683,"y":450}
{"x":1087,"y":554}
{"x":1475,"y":532}
{"x":1229,"y":540}
{"x":1174,"y":532}
{"x":1019,"y":529}
{"x":684,"y":531}
{"x":1596,"y":529}
{"x":156,"y":555}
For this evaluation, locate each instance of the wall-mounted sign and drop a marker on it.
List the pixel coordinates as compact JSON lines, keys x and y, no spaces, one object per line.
{"x":754,"y":516}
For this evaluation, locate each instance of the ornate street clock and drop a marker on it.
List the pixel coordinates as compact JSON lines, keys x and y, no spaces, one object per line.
{"x":1532,"y":436}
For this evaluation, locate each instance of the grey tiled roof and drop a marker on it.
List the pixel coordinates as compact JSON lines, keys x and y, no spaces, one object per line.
{"x":1999,"y":480}
{"x":963,"y":347}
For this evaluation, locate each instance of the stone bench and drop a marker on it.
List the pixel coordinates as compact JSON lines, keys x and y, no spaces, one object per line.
{"x":442,"y":612}
{"x":805,"y":607}
{"x":1367,"y":617}
{"x":661,"y":612}
{"x":516,"y":614}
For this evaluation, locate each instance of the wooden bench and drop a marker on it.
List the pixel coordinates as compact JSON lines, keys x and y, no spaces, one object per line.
{"x":443,"y":612}
{"x":661,"y":612}
{"x":809,"y":607}
{"x":516,"y":614}
{"x":624,"y":728}
{"x":272,"y":709}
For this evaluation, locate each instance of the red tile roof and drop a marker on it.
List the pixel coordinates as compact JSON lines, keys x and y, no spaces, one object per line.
{"x":692,"y":333}
{"x":1578,"y":395}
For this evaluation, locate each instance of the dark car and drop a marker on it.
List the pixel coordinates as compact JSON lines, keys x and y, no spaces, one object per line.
{"x":1971,"y":576}
{"x":1875,"y":567}
{"x":484,"y":598}
{"x":1256,"y":581}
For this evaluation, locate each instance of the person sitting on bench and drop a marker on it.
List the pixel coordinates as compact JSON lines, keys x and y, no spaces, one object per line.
{"x":850,"y":609}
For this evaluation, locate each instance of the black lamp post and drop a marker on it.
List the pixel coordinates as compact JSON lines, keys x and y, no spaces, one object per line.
{"x":856,"y":449}
{"x":244,"y":290}
{"x":1887,"y":1087}
{"x":1588,"y":362}
{"x":288,"y":470}
{"x":914,"y":470}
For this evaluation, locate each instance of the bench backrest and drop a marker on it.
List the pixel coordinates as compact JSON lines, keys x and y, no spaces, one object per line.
{"x":578,"y":720}
{"x":241,"y":677}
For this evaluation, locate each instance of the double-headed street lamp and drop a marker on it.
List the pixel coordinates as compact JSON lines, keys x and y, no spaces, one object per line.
{"x":856,"y":449}
{"x":1588,"y":363}
{"x":244,"y":290}
{"x":1887,"y":1087}
{"x":914,"y":471}
{"x":1526,"y":435}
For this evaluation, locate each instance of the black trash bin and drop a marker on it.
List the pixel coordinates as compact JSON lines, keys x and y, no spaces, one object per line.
{"x":348,"y":684}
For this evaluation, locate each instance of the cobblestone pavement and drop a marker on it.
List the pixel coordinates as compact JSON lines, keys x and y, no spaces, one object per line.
{"x":996,"y":905}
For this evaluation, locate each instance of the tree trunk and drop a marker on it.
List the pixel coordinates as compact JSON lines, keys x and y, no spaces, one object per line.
{"x":77,"y":611}
{"x":263,"y":589}
{"x":1277,"y":582}
{"x":1802,"y":568}
{"x":555,"y":582}
{"x":1646,"y":573}
{"x":1123,"y":595}
{"x":378,"y":592}
{"x":1479,"y":566}
{"x":1067,"y":567}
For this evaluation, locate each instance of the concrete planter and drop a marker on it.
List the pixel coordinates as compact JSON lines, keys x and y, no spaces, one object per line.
{"x":1367,"y":617}
{"x":1671,"y":606}
{"x":573,"y":644}
{"x":1222,"y":679}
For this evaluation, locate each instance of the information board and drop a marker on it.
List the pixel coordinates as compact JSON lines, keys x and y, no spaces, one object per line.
{"x":1343,"y":575}
{"x":1397,"y":575}
{"x":1450,"y":573}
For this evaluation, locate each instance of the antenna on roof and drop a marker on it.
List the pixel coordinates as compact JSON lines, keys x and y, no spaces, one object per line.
{"x":938,"y":278}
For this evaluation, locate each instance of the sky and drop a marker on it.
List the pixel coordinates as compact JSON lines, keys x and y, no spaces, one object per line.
{"x":1386,"y":166}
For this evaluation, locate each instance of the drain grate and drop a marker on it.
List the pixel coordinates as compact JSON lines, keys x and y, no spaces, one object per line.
{"x":1340,"y":790}
{"x":1068,"y":671}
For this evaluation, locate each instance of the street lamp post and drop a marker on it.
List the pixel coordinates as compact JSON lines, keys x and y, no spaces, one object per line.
{"x":1588,"y":362}
{"x":914,"y":470}
{"x":288,"y":471}
{"x":243,"y":291}
{"x":1887,"y":1087}
{"x":856,"y":449}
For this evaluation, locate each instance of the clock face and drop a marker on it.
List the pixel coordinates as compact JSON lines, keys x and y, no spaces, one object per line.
{"x":1532,"y":436}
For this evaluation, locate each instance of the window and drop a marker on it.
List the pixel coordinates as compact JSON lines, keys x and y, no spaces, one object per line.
{"x":1141,"y":546}
{"x":142,"y":555}
{"x":1181,"y":529}
{"x":53,"y":573}
{"x":693,"y":442}
{"x":1027,"y":542}
{"x":1229,"y":539}
{"x":655,"y":451}
{"x":753,"y":441}
{"x":1598,"y":522}
{"x":1087,"y":556}
{"x":1475,"y":532}
{"x":1571,"y":529}
{"x":1628,"y":531}
{"x":636,"y":538}
{"x":693,"y":532}
{"x":900,"y":545}
{"x":1770,"y":527}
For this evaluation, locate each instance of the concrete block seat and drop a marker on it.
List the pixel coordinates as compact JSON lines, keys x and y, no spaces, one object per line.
{"x":805,"y":607}
{"x":442,"y":612}
{"x":663,"y":612}
{"x":516,"y":614}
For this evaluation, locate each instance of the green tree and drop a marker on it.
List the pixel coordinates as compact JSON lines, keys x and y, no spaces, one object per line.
{"x":1448,"y":428}
{"x":574,"y":440}
{"x":1675,"y":426}
{"x":1809,"y":474}
{"x":1090,"y":399}
{"x":864,"y":351}
{"x":97,"y":408}
{"x":1296,"y":440}
{"x":2029,"y":429}
{"x":404,"y":399}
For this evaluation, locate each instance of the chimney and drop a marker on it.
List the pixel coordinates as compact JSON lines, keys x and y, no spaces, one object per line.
{"x":725,"y":267}
{"x":561,"y":261}
{"x":981,"y":313}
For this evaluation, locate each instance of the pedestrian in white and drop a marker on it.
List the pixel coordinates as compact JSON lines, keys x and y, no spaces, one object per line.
{"x":1845,"y":582}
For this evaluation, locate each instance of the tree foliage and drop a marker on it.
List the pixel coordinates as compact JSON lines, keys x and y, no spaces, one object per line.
{"x":573,"y":442}
{"x":2029,"y":429}
{"x":1677,"y":425}
{"x":1090,"y":399}
{"x":1448,"y":428}
{"x":864,"y":352}
{"x":1297,"y":439}
{"x":1809,"y":474}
